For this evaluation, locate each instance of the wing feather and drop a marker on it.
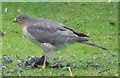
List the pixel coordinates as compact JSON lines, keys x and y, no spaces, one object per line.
{"x":47,"y":31}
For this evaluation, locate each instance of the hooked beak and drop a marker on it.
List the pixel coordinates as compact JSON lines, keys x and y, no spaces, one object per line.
{"x":15,"y":20}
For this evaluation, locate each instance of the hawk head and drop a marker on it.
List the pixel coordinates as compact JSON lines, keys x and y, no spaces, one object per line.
{"x":21,"y":19}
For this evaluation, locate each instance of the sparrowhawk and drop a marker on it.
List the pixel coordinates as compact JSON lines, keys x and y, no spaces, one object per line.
{"x":50,"y":35}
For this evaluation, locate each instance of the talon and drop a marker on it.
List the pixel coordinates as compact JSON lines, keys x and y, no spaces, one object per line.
{"x":43,"y":67}
{"x":42,"y":63}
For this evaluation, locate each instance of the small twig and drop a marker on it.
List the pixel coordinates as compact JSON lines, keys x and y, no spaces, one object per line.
{"x":70,"y":72}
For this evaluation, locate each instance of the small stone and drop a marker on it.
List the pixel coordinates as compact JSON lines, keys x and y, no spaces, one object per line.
{"x":97,"y":65}
{"x":6,"y":59}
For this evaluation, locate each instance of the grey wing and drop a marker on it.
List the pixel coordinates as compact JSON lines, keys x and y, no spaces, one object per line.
{"x":49,"y":33}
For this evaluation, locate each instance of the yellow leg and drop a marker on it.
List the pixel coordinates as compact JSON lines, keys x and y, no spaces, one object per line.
{"x":44,"y":64}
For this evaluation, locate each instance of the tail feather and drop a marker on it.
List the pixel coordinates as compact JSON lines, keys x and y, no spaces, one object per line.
{"x":92,"y":44}
{"x":81,"y":38}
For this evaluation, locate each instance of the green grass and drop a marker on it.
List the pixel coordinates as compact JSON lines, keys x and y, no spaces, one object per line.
{"x":98,"y":20}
